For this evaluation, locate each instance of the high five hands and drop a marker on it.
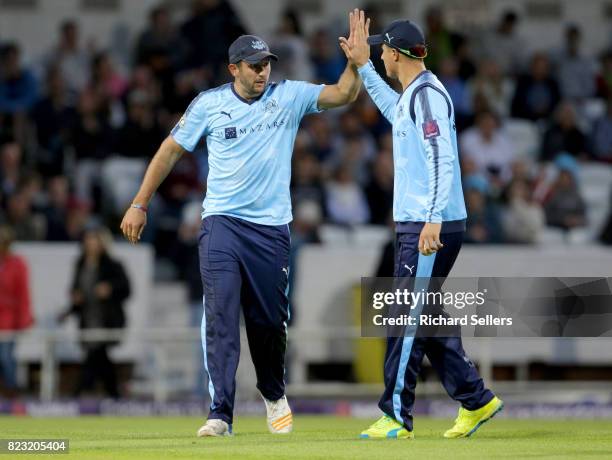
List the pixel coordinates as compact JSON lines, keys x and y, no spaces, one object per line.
{"x":356,"y":48}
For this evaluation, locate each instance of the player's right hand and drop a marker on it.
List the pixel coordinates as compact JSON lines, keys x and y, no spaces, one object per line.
{"x":356,"y":48}
{"x":133,"y":224}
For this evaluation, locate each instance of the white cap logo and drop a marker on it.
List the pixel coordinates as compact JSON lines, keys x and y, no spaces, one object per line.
{"x":258,"y":45}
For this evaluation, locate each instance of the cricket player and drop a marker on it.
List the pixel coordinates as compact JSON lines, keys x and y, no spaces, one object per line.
{"x":250,"y":127}
{"x":429,"y":214}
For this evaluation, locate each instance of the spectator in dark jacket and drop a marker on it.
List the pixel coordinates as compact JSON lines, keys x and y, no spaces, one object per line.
{"x":213,"y":26}
{"x":564,"y":135}
{"x":537,"y":93}
{"x":99,"y":288}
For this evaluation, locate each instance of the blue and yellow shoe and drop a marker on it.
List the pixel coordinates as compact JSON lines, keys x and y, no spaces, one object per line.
{"x":386,"y":428}
{"x":468,"y":421}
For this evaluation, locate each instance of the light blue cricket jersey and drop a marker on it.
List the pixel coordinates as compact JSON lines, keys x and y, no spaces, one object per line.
{"x":250,"y":144}
{"x":427,"y":185}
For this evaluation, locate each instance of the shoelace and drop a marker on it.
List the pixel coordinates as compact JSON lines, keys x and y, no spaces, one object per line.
{"x":381,"y":421}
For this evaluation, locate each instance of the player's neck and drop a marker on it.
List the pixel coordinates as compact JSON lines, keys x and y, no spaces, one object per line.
{"x":243,"y":93}
{"x":408,"y":72}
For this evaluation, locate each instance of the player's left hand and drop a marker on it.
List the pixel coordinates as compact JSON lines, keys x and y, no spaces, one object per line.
{"x":429,"y":241}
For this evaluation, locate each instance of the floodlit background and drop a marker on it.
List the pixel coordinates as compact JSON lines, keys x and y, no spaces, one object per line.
{"x":89,"y":88}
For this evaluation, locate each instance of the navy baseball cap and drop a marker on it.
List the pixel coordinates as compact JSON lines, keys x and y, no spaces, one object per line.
{"x":403,"y":35}
{"x":249,"y":48}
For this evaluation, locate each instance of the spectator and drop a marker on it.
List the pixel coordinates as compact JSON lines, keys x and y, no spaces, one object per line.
{"x":105,"y":79}
{"x":289,"y":45}
{"x":523,"y":218}
{"x":160,"y":46}
{"x":71,"y":60}
{"x":322,"y":139}
{"x":564,"y":135}
{"x":441,"y":42}
{"x":54,"y":119}
{"x":92,"y":143}
{"x":483,"y":225}
{"x":354,"y":142}
{"x":346,"y":202}
{"x":504,"y":45}
{"x":491,"y":84}
{"x":456,"y":88}
{"x":380,"y":189}
{"x":211,"y":28}
{"x":99,"y":289}
{"x":18,"y":93}
{"x":141,"y":135}
{"x":306,"y":184}
{"x":466,"y":68}
{"x":489,"y":147}
{"x":576,"y":72}
{"x":79,"y":218}
{"x":565,"y":208}
{"x":56,"y":212}
{"x":537,"y":92}
{"x":26,"y":225}
{"x":15,"y":309}
{"x":327,"y":60}
{"x":18,"y":87}
{"x":602,"y":135}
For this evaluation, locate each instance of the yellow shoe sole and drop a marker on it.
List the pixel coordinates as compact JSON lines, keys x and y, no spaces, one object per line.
{"x":488,"y":416}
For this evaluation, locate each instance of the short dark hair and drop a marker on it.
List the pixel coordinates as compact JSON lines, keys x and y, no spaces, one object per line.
{"x":509,"y":16}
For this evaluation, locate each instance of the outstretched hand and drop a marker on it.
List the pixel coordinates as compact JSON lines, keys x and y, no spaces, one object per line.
{"x":355,"y":47}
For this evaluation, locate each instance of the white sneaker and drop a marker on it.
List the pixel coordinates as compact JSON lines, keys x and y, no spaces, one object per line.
{"x":214,"y":427}
{"x":280,"y":418}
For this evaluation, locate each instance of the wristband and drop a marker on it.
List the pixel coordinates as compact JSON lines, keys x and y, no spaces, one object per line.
{"x":139,"y":206}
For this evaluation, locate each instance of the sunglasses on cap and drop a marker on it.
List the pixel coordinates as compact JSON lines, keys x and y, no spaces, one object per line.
{"x":415,"y":52}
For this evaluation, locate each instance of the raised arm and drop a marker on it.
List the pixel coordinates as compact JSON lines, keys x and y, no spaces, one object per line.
{"x":347,"y":88}
{"x":357,"y":51}
{"x":162,"y":163}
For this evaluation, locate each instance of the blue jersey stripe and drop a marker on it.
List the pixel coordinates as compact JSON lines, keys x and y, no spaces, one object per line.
{"x":424,"y":100}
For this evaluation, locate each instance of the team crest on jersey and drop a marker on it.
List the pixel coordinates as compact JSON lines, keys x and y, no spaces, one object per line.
{"x":230,"y":133}
{"x":258,"y":45}
{"x":430,"y":129}
{"x":271,"y":106}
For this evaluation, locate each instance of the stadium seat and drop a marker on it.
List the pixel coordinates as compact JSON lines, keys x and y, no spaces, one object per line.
{"x":525,"y":136}
{"x":120,"y":181}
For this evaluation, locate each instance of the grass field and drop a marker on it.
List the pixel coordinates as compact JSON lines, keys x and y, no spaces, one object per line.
{"x":328,"y":438}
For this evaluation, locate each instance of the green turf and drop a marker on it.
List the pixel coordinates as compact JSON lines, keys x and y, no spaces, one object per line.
{"x":327,"y":438}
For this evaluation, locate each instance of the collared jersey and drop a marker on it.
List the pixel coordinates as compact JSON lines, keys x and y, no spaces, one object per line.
{"x":427,"y":184}
{"x":250,"y":144}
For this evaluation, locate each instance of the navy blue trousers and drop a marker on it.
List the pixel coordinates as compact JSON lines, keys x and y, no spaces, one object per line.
{"x":243,"y":265}
{"x":404,"y":355}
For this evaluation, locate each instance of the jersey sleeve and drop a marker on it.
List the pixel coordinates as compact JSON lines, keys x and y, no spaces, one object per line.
{"x":382,"y":94}
{"x":305,"y":96}
{"x":432,"y":112}
{"x":192,"y":125}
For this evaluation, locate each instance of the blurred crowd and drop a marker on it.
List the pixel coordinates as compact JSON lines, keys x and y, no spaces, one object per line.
{"x":79,"y":124}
